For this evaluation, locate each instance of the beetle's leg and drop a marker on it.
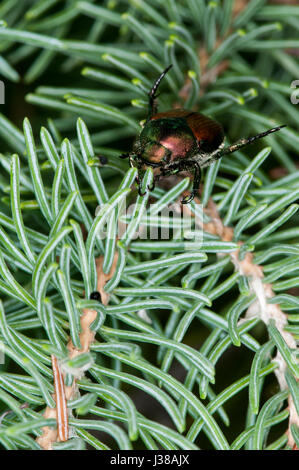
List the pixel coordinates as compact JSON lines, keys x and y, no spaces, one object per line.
{"x":139,"y":190}
{"x":196,"y":183}
{"x":138,"y":180}
{"x":152,"y":94}
{"x":153,"y":185}
{"x":124,"y":155}
{"x":131,"y":161}
{"x":150,"y":188}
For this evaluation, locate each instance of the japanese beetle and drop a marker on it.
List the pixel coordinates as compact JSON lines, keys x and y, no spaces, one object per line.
{"x":181,"y":140}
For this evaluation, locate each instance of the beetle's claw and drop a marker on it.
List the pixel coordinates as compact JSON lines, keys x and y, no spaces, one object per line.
{"x":148,"y":188}
{"x":141,"y":193}
{"x":152,"y":187}
{"x":188,"y":199}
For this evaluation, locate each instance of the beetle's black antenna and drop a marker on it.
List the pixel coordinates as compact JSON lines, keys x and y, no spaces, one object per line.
{"x":152,"y":94}
{"x":241,"y":143}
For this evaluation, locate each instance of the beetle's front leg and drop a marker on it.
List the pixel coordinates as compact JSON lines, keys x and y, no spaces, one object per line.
{"x":138,"y":179}
{"x":150,"y":188}
{"x":156,"y":178}
{"x":139,"y":187}
{"x":196,"y":183}
{"x":153,"y":185}
{"x":139,"y":183}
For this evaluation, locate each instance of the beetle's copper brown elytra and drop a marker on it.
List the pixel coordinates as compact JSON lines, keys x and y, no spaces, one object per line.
{"x":208,"y":133}
{"x":181,"y":140}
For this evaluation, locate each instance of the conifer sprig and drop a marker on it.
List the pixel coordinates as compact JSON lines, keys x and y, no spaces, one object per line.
{"x":175,"y":313}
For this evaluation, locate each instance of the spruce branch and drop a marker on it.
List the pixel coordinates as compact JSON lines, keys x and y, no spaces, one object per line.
{"x":184,"y":327}
{"x":271,"y":314}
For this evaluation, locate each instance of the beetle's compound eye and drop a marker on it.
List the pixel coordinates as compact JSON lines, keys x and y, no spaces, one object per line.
{"x":95,"y":296}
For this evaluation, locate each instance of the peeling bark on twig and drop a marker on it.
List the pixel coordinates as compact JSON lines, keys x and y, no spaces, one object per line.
{"x":49,"y":435}
{"x":260,"y":307}
{"x":104,"y":278}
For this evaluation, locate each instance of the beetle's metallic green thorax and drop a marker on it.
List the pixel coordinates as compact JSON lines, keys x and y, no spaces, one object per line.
{"x":164,"y":140}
